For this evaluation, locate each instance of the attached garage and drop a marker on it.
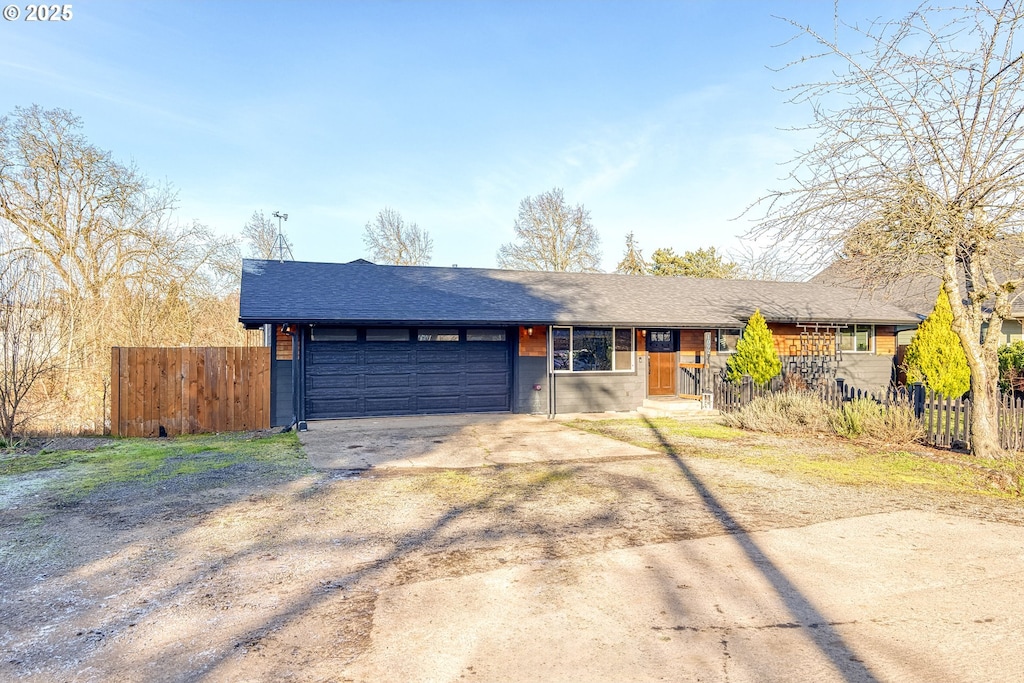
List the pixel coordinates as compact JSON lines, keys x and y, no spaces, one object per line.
{"x":365,"y":372}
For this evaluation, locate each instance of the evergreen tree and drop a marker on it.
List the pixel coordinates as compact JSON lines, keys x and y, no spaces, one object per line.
{"x":936,"y":357}
{"x":632,"y":262}
{"x":755,"y":353}
{"x":706,"y":263}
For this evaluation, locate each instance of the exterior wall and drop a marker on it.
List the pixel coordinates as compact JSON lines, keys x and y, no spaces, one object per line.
{"x":533,"y":345}
{"x":574,"y":392}
{"x":1011,"y":332}
{"x":598,"y":392}
{"x":281,"y":411}
{"x":281,"y":408}
{"x":866,"y":371}
{"x":531,"y":371}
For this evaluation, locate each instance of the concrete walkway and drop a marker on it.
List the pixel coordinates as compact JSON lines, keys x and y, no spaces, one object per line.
{"x":452,"y":441}
{"x":906,"y":596}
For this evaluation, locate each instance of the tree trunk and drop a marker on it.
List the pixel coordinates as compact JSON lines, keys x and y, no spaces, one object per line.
{"x":984,"y":399}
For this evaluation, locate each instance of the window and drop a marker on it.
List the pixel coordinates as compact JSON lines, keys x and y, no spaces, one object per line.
{"x":387,"y":334}
{"x":857,"y":338}
{"x":322,"y":333}
{"x":727,"y":340}
{"x":485,"y":335}
{"x":428,"y":335}
{"x":592,"y":349}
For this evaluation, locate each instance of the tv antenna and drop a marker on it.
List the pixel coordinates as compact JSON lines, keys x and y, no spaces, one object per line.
{"x":280,"y":243}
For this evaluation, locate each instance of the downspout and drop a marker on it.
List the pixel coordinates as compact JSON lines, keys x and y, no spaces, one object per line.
{"x":551,"y":375}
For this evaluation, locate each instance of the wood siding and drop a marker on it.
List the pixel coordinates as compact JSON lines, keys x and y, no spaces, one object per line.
{"x":189,"y":390}
{"x":535,"y":344}
{"x":284,"y":344}
{"x":885,"y":340}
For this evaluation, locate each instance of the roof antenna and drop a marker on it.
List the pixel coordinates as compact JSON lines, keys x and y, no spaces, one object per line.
{"x":280,"y":244}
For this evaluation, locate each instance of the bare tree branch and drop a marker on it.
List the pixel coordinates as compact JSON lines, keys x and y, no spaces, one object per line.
{"x":918,"y":168}
{"x":389,"y":240}
{"x":551,"y":235}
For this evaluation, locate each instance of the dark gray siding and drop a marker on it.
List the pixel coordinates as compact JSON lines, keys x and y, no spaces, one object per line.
{"x":281,"y":411}
{"x":597,"y":392}
{"x":531,"y":371}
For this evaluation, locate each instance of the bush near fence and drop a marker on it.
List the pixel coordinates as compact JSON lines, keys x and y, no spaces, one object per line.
{"x":945,"y":422}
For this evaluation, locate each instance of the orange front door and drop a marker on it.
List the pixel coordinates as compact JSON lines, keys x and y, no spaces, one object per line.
{"x":661,"y":364}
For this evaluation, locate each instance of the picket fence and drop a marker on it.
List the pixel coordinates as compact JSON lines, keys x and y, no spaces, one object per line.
{"x":946,"y":422}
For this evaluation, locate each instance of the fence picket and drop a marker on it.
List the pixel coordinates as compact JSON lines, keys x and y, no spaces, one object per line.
{"x":189,"y":390}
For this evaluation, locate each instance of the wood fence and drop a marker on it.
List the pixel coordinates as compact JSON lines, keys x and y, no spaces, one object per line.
{"x":945,"y":422}
{"x":189,"y":390}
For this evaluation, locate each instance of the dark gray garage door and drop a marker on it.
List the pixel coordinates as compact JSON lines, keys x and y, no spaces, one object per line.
{"x":448,"y":371}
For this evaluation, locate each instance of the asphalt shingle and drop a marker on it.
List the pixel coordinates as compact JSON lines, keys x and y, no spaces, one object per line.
{"x":364,"y":293}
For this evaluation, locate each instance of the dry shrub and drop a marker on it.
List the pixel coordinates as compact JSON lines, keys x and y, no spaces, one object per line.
{"x":784,"y":412}
{"x":865,"y":418}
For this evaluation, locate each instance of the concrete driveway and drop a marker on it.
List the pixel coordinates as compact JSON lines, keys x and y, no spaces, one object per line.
{"x":452,"y":441}
{"x":908,"y":595}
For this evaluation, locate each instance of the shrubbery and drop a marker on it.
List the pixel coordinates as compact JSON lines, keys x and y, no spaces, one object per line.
{"x":803,"y":412}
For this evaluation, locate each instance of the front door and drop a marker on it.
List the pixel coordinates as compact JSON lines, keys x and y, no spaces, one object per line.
{"x":661,"y":364}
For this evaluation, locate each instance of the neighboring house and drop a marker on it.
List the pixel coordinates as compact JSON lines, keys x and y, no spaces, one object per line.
{"x":357,"y":339}
{"x":915,"y":293}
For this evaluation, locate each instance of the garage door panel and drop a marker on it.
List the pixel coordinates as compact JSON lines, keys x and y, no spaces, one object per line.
{"x":338,"y":407}
{"x":351,"y":379}
{"x":389,"y":381}
{"x":390,"y":405}
{"x":396,"y":356}
{"x":441,"y":356}
{"x":329,"y":357}
{"x":451,"y":403}
{"x":477,"y":379}
{"x":328,"y":382}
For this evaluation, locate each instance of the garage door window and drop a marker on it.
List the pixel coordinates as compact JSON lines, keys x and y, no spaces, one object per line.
{"x":438,"y":335}
{"x":387,"y":334}
{"x":327,"y":333}
{"x":485,"y":335}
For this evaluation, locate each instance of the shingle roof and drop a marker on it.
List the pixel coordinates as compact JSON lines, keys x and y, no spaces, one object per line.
{"x":915,"y":293}
{"x":364,"y":293}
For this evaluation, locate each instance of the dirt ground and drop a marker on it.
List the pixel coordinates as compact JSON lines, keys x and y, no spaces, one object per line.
{"x":245,"y":573}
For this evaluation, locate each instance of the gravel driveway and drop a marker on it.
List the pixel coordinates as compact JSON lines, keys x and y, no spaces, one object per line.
{"x":621,"y":565}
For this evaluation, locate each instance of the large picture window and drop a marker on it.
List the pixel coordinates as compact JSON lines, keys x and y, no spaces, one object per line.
{"x":592,"y":349}
{"x":857,"y":338}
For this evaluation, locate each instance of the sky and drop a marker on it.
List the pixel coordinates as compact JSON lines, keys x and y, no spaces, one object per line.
{"x":664,"y":119}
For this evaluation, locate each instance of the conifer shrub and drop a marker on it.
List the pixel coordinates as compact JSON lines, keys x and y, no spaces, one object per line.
{"x":935,"y":357}
{"x":755,"y":354}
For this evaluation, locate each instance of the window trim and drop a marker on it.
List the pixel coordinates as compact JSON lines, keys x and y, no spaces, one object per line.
{"x":845,"y":328}
{"x":614,"y":370}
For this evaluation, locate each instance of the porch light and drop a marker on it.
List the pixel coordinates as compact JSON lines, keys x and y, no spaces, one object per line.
{"x":529,"y":331}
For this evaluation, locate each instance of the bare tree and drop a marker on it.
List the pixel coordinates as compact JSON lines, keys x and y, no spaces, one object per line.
{"x":632,"y":262}
{"x":389,"y":240}
{"x":261,"y":234}
{"x":33,"y":333}
{"x":551,"y":235}
{"x":775,"y":263}
{"x":125,"y":272}
{"x":918,"y":168}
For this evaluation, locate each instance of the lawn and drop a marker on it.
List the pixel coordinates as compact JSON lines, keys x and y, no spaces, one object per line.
{"x":823,"y":458}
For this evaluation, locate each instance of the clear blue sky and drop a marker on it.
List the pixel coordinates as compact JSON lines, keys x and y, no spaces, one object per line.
{"x":662,"y":118}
